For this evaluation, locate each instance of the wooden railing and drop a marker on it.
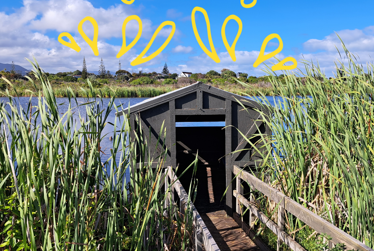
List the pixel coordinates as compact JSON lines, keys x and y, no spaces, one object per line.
{"x":203,"y":238}
{"x":286,"y":204}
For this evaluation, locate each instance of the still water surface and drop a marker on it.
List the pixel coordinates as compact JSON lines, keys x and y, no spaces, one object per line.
{"x":106,"y":144}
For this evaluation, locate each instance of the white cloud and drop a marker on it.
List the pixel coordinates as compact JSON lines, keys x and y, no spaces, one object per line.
{"x":182,"y":49}
{"x":355,"y":40}
{"x":66,"y":15}
{"x":23,"y":34}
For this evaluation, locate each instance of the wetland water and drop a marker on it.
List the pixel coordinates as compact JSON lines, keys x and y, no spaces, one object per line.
{"x":79,"y":110}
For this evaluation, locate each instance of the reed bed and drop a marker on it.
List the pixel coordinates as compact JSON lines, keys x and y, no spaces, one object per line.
{"x":25,"y":89}
{"x":321,"y":150}
{"x":57,"y":193}
{"x":81,"y":91}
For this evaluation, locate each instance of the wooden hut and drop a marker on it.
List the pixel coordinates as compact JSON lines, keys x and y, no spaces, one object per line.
{"x":219,"y":148}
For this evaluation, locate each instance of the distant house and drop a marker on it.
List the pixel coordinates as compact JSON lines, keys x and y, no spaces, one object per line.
{"x":185,"y":74}
{"x":238,"y":74}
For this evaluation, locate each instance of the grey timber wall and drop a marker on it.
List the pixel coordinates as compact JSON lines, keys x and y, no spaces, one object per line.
{"x":195,"y":103}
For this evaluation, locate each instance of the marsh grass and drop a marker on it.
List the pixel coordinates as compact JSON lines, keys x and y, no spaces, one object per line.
{"x":321,"y":149}
{"x":120,"y":90}
{"x":56,"y":193}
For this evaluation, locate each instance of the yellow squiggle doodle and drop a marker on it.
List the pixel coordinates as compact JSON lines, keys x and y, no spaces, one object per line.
{"x":250,"y":5}
{"x":231,"y":49}
{"x":213,"y":54}
{"x":280,"y":66}
{"x":128,"y":1}
{"x":72,"y":45}
{"x":262,"y":57}
{"x":140,"y":59}
{"x":126,"y":48}
{"x":92,"y":43}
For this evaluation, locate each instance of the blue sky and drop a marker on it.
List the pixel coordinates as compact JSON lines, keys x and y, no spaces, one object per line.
{"x":31,"y":27}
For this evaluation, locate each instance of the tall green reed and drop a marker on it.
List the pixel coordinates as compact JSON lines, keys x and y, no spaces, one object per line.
{"x":56,"y":192}
{"x":322,"y":145}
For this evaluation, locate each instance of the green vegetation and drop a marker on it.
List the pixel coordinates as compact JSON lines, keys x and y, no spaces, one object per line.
{"x":321,"y":151}
{"x":57,"y":193}
{"x":169,"y":81}
{"x":70,"y":79}
{"x":143,"y":81}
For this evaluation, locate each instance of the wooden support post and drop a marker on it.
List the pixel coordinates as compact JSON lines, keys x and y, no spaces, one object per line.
{"x":281,"y":216}
{"x":172,"y":137}
{"x":239,"y":190}
{"x":252,"y":216}
{"x":228,"y":135}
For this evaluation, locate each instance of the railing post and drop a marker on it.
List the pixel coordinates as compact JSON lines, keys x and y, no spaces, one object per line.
{"x":281,"y":216}
{"x":198,"y":238}
{"x":239,"y":190}
{"x":252,"y":217}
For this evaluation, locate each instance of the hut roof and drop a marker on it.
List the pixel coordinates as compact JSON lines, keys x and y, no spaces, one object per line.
{"x":152,"y":102}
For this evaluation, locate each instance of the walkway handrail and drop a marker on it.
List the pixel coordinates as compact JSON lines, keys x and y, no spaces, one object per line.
{"x":287,"y":204}
{"x":202,"y":233}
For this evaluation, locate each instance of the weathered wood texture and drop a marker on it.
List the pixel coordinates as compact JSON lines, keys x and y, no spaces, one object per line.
{"x":311,"y":219}
{"x":200,"y":227}
{"x":227,"y":233}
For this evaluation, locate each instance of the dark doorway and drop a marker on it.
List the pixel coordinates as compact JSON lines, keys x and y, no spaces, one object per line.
{"x":209,"y":143}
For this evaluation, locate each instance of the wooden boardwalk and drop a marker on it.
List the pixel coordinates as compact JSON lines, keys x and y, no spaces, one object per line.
{"x":227,"y":233}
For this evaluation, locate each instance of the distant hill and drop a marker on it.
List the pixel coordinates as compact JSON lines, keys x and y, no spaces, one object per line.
{"x":18,"y":68}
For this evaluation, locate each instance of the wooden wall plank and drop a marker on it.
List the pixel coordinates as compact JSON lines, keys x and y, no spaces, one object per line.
{"x":189,"y":101}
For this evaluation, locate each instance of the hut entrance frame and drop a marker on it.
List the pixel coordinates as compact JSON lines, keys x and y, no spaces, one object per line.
{"x":201,"y":103}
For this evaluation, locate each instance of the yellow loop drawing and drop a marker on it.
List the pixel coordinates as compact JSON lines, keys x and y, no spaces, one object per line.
{"x":72,"y":45}
{"x":262,"y":57}
{"x":212,"y":54}
{"x":128,"y":1}
{"x":140,"y":59}
{"x":126,"y":48}
{"x":250,"y":5}
{"x":231,"y":49}
{"x":280,"y":66}
{"x":92,"y":43}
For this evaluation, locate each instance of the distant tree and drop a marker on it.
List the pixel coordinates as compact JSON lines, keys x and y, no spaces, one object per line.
{"x":243,"y":75}
{"x":13,"y":68}
{"x":70,"y":79}
{"x":174,"y":76}
{"x":194,"y":76}
{"x":77,"y":72}
{"x":228,"y":74}
{"x":84,"y":70}
{"x":123,"y":75}
{"x":212,"y":73}
{"x":61,"y":74}
{"x":165,"y":70}
{"x":102,"y":71}
{"x":223,"y":70}
{"x":108,"y":74}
